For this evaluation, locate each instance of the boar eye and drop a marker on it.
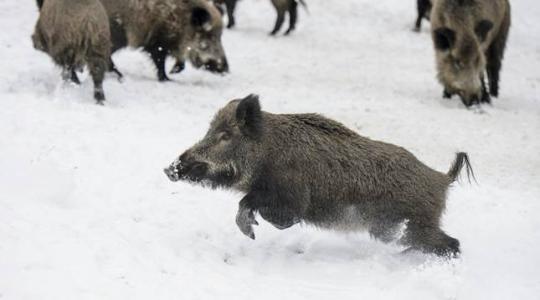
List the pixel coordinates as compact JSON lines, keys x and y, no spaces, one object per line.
{"x":225,"y":136}
{"x":482,"y":29}
{"x":444,"y":38}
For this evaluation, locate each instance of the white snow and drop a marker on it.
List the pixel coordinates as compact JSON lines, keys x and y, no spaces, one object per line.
{"x":87,"y":213}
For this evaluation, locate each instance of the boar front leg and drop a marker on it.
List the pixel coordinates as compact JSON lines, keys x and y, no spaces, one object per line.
{"x":245,"y":217}
{"x":277,"y":213}
{"x":159,"y":55}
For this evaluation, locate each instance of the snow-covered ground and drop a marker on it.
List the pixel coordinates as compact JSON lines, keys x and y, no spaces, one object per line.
{"x":87,"y":213}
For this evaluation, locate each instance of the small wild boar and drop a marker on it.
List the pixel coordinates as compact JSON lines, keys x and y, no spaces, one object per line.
{"x":183,"y":29}
{"x":424,"y":10}
{"x":282,"y":7}
{"x":307,"y":168}
{"x":75,"y":34}
{"x":470,"y":39}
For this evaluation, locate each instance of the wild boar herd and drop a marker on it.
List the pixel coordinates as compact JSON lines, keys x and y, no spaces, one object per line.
{"x":301,"y":168}
{"x":469,"y":37}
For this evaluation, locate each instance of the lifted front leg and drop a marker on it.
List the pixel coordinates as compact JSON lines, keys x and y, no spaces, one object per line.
{"x":245,"y":217}
{"x":159,"y":55}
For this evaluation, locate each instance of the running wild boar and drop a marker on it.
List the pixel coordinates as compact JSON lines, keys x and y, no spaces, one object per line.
{"x":282,"y":8}
{"x":307,"y":168}
{"x":470,"y":39}
{"x":184,"y":29}
{"x":73,"y":44}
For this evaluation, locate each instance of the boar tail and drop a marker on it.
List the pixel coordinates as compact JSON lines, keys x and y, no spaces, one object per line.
{"x":462,"y":159}
{"x":304,"y":4}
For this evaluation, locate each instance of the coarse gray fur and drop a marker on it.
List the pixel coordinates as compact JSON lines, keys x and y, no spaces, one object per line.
{"x":307,"y":168}
{"x":184,"y":29}
{"x":470,"y":38}
{"x":75,"y":33}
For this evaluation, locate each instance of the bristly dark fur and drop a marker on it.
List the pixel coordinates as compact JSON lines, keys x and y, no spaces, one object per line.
{"x":307,"y":168}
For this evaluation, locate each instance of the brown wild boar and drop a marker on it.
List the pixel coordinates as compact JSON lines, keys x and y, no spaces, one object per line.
{"x":183,"y":29}
{"x":282,"y":8}
{"x":307,"y":168}
{"x":470,"y":39}
{"x":424,"y":10}
{"x":72,"y":43}
{"x":111,"y":68}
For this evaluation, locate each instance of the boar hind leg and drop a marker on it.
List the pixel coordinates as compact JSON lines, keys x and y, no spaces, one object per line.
{"x":97,"y":68}
{"x":293,"y":16}
{"x":495,"y":54}
{"x":430,"y":239}
{"x":230,"y":5}
{"x":159,"y":55}
{"x":280,"y":19}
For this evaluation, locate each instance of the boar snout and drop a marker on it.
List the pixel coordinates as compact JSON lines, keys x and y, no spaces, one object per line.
{"x":217,"y":66}
{"x":185,"y":168}
{"x":172,"y":173}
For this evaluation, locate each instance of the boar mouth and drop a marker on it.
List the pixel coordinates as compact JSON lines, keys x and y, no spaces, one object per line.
{"x":216,"y":66}
{"x":191,"y":172}
{"x":201,"y":173}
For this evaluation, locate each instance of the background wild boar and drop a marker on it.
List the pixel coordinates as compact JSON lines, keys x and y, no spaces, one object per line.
{"x":424,"y":10}
{"x":72,"y":43}
{"x":470,"y":37}
{"x":184,"y":29}
{"x":307,"y":168}
{"x":282,"y":8}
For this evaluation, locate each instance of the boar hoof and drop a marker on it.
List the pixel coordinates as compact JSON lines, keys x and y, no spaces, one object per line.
{"x":245,"y":219}
{"x":99,"y":96}
{"x":485,"y":98}
{"x":447,"y":94}
{"x":163,"y":78}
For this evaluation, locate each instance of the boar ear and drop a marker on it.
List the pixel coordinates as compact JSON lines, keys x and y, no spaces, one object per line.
{"x":219,"y":8}
{"x":444,"y":38}
{"x":482,"y":29}
{"x":249,"y":115}
{"x":200,"y":17}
